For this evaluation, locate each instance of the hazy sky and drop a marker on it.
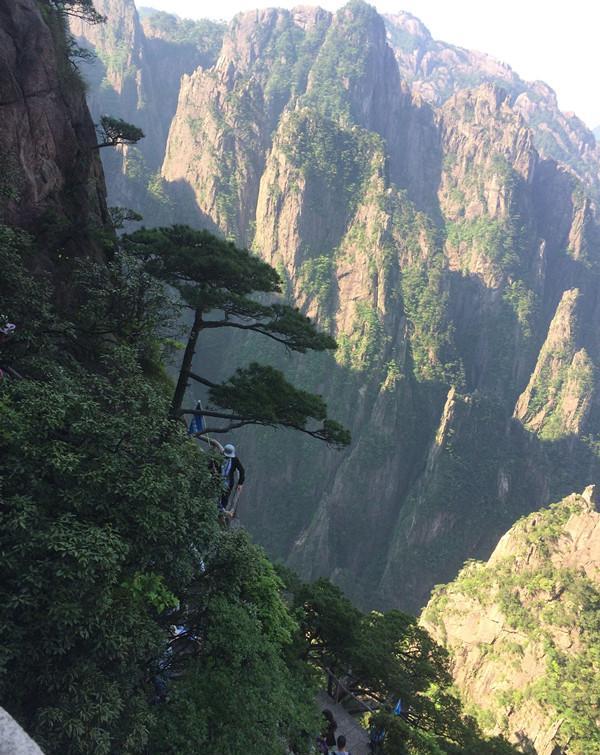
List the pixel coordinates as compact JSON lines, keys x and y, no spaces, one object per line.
{"x":558,"y":42}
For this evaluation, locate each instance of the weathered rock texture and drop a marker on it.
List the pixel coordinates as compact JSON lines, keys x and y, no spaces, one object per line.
{"x":437,"y":247}
{"x":437,"y":70}
{"x":436,"y":244}
{"x":13,"y":740}
{"x":50,"y":174}
{"x":523,"y":629}
{"x":136,"y":76}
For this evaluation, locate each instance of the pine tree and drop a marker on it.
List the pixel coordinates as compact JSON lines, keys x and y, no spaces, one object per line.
{"x":216,"y":281}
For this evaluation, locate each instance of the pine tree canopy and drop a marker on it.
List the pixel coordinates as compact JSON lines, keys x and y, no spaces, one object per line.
{"x":216,"y":279}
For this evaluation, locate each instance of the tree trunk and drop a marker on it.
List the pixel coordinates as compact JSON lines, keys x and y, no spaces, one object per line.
{"x":186,"y":365}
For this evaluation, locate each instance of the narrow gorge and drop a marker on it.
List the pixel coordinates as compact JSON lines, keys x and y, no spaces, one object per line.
{"x":326,"y":178}
{"x":430,"y":229}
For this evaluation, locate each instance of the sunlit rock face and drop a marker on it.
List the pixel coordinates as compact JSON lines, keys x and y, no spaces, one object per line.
{"x":455,"y":263}
{"x":436,"y":70}
{"x":522,"y":629}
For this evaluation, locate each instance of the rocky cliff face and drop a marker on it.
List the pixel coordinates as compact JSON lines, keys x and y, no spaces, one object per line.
{"x":522,"y":630}
{"x":442,"y":250}
{"x":136,"y":76}
{"x":437,"y":70}
{"x":51,"y":177}
{"x":456,"y":265}
{"x":226,"y":115}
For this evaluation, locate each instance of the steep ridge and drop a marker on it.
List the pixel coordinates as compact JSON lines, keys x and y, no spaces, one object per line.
{"x":437,"y":244}
{"x":225,"y":117}
{"x":437,"y":247}
{"x":522,"y":630}
{"x":109,"y":524}
{"x":51,"y":179}
{"x":136,"y":76}
{"x":436,"y":70}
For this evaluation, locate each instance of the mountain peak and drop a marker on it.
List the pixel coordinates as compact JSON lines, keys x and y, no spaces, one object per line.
{"x":409,"y":23}
{"x":522,"y":627}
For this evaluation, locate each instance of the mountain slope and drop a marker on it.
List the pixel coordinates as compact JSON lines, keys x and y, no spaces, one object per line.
{"x":437,"y":247}
{"x":136,"y":76}
{"x":456,"y":265}
{"x":51,"y":179}
{"x":437,"y":70}
{"x":522,"y":630}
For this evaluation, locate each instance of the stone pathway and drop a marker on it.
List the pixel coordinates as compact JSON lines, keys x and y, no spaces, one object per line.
{"x":357,"y":739}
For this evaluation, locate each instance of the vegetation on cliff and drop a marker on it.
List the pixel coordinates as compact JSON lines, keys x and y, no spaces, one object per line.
{"x":109,"y":535}
{"x":435,"y":251}
{"x":532,"y":614}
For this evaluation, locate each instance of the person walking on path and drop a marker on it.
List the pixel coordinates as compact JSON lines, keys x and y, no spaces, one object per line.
{"x":341,"y":746}
{"x":230,"y":465}
{"x":327,"y":738}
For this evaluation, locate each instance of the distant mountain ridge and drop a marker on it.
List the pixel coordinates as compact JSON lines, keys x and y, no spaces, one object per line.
{"x":458,"y":269}
{"x":436,"y":70}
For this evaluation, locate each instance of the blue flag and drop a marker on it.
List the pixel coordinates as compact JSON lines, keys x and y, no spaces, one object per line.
{"x":197,"y":425}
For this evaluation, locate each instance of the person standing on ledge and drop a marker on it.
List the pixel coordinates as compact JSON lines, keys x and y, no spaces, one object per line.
{"x":231,"y":464}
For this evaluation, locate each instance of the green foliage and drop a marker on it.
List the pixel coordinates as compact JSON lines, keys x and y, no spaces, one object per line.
{"x":116,"y":131}
{"x":121,"y":215}
{"x":240,"y":695}
{"x":541,"y":602}
{"x":363,"y":348}
{"x":205,"y":35}
{"x":342,"y":62}
{"x":334,"y":159}
{"x":497,"y":240}
{"x":262,"y":393}
{"x":425,"y":299}
{"x":83,"y":9}
{"x":208,"y":271}
{"x":66,"y":50}
{"x":101,"y":499}
{"x":564,"y":375}
{"x":524,"y":304}
{"x":212,"y":274}
{"x":390,"y":657}
{"x":106,"y":506}
{"x":315,"y":278}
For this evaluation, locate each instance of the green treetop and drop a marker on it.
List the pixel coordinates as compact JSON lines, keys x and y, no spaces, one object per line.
{"x":216,"y":281}
{"x":83,"y":9}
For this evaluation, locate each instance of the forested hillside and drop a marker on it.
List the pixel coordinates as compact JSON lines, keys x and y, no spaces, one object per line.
{"x":454,"y":261}
{"x":131,"y":619}
{"x":523,"y":628}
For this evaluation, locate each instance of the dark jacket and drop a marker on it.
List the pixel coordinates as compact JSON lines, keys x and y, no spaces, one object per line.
{"x":236,"y":464}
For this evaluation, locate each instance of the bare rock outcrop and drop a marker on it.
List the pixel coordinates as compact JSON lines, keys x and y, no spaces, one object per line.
{"x":436,"y":243}
{"x":51,"y":177}
{"x":13,"y":740}
{"x":522,"y":628}
{"x":437,"y":70}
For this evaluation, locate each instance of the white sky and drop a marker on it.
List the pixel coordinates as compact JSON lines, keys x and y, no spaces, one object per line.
{"x":558,"y":42}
